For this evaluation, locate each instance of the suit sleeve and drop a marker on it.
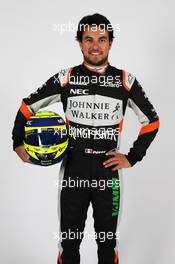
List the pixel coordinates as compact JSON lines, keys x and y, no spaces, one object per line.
{"x":48,"y":94}
{"x":148,"y":119}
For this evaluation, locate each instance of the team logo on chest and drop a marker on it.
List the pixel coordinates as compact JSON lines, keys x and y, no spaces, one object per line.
{"x":94,"y":110}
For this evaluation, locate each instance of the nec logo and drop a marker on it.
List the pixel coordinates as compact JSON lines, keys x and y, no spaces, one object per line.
{"x":79,"y":91}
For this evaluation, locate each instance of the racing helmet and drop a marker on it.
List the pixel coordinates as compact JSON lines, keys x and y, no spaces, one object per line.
{"x":45,"y":138}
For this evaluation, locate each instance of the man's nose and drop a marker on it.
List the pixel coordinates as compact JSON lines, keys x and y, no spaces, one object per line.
{"x":95,"y":45}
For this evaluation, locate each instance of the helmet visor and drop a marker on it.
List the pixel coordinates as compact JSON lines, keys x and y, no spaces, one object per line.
{"x":45,"y":139}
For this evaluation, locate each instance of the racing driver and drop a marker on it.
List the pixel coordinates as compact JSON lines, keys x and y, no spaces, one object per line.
{"x":95,"y":96}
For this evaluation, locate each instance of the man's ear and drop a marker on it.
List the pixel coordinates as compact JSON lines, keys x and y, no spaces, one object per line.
{"x":110,"y":44}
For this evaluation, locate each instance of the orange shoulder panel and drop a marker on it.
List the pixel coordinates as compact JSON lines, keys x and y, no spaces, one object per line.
{"x":150,"y":127}
{"x":25,"y":110}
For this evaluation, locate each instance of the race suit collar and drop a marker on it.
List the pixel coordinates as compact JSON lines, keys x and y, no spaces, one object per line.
{"x":96,"y":69}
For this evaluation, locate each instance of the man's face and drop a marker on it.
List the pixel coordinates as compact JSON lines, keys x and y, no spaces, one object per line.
{"x":95,"y":46}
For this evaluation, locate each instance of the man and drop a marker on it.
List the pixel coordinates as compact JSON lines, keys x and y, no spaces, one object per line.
{"x":94,"y":96}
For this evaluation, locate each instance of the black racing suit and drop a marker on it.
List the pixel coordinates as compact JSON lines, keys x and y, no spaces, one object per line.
{"x":94,"y":106}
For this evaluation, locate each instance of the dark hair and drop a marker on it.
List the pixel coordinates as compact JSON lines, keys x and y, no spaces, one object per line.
{"x":94,"y":20}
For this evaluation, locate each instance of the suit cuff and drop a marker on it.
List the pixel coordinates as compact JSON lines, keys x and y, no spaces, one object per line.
{"x":132,"y":158}
{"x":17,"y":143}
